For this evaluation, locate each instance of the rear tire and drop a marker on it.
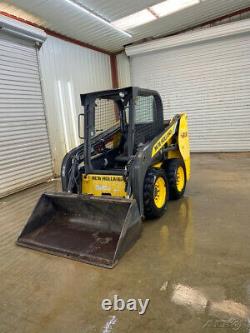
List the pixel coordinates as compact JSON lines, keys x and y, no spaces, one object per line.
{"x":155,"y":193}
{"x":176,"y":176}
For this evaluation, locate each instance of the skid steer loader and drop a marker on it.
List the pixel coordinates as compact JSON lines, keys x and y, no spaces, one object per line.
{"x":129,"y":165}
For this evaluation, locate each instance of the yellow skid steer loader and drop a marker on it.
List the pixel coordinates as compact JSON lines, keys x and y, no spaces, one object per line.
{"x":129,"y":165}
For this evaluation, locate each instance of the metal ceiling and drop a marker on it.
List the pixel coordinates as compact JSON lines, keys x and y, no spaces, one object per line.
{"x":60,"y":16}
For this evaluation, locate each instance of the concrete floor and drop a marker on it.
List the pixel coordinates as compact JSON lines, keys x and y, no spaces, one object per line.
{"x":193,"y":264}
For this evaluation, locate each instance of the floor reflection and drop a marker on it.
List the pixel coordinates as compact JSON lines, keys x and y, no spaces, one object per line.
{"x":176,"y":232}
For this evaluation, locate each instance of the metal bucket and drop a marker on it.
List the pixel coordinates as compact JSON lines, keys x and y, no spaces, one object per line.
{"x":89,"y":229}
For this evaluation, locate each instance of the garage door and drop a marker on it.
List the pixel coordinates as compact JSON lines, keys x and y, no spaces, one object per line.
{"x":24,"y":146}
{"x":211,"y":82}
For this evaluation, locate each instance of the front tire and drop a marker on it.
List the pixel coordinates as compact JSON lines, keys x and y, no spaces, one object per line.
{"x":155,"y":193}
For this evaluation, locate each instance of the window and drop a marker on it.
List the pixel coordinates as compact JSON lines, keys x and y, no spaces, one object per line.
{"x":105,"y":115}
{"x":144,"y":109}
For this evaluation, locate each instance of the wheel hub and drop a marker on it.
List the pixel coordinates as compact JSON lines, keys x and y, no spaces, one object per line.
{"x":180,"y":179}
{"x":160,"y":192}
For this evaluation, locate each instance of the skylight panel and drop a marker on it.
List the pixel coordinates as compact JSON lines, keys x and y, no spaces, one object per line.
{"x":134,"y":20}
{"x":171,"y":6}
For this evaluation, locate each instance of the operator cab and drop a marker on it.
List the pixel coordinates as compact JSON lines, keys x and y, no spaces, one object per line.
{"x":116,"y":123}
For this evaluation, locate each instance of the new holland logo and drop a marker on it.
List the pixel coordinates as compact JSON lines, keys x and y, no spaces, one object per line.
{"x":107,"y":178}
{"x":163,"y":140}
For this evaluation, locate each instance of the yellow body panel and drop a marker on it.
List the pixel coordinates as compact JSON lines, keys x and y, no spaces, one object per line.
{"x":163,"y":140}
{"x":117,"y":140}
{"x":183,"y":142}
{"x":99,"y":185}
{"x":157,"y":165}
{"x":174,"y":154}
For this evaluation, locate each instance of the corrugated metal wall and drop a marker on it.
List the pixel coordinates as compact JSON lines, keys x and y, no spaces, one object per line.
{"x":209,"y":81}
{"x":67,"y":71}
{"x":24,"y":148}
{"x":123,"y":68}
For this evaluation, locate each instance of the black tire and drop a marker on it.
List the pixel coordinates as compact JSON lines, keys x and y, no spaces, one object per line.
{"x":150,"y":209}
{"x":172,"y":166}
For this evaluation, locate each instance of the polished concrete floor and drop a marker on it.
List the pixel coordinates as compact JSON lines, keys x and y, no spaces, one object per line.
{"x":193,"y":264}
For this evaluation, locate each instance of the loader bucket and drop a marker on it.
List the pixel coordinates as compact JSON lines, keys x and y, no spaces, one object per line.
{"x":93,"y":230}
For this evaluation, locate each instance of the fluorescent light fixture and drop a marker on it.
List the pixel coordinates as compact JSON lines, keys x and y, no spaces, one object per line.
{"x":73,"y":112}
{"x":171,"y":6}
{"x":97,"y":17}
{"x":134,"y":20}
{"x":63,"y":115}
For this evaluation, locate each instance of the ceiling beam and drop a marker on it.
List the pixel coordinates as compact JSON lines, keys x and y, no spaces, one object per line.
{"x":114,"y":71}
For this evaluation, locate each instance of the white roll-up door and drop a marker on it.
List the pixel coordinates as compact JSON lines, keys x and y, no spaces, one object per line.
{"x":209,"y":80}
{"x":25,"y":157}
